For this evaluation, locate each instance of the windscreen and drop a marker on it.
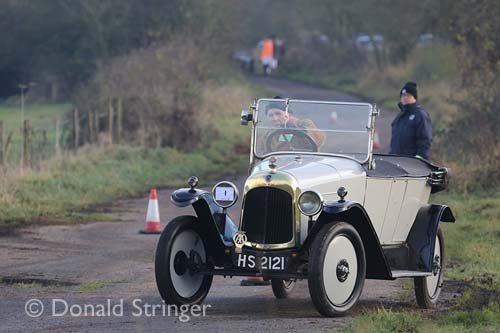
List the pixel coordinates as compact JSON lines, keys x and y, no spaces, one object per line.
{"x":312,"y":126}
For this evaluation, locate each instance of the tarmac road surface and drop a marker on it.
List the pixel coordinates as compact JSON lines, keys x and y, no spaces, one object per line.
{"x":100,"y":276}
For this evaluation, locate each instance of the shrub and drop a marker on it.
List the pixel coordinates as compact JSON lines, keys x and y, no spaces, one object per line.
{"x":149,"y":97}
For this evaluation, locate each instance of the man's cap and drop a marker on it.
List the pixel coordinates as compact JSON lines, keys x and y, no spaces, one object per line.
{"x":280,"y":105}
{"x":409,"y":88}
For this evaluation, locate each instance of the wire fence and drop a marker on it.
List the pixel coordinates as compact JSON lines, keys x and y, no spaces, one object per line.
{"x":28,"y":147}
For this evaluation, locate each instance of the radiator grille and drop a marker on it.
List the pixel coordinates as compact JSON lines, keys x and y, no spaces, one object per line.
{"x":268,"y":216}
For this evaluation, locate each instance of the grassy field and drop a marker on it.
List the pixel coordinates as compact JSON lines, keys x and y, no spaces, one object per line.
{"x":43,"y":117}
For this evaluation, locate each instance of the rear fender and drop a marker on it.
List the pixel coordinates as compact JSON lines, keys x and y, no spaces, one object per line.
{"x":354,"y":214}
{"x":422,"y":237}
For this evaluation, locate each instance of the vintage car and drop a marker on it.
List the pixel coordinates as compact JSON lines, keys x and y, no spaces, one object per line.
{"x":318,"y":204}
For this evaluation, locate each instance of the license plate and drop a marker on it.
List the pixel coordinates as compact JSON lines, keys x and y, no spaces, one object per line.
{"x":271,"y":263}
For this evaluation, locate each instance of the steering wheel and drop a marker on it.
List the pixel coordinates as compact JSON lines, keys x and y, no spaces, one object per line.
{"x":290,"y":140}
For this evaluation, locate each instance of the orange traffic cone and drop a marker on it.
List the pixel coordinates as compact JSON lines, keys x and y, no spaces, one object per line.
{"x":255,"y":281}
{"x":153,"y":215}
{"x":376,"y":140}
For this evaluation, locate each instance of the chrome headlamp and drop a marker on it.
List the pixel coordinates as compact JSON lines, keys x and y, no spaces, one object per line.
{"x":225,"y":194}
{"x":310,"y":203}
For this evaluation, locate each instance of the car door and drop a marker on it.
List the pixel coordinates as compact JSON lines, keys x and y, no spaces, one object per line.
{"x":383,"y":200}
{"x":416,"y":195}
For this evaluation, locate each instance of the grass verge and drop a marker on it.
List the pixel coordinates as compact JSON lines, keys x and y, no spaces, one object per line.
{"x":472,"y":242}
{"x":486,"y":319}
{"x":72,"y":183}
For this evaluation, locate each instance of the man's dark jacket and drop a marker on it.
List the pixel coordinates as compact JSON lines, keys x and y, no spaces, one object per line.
{"x":411,"y":132}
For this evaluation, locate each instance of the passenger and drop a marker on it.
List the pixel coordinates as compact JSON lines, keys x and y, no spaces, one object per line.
{"x":412,"y":128}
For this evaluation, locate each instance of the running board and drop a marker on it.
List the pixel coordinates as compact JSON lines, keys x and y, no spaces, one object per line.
{"x":400,"y":274}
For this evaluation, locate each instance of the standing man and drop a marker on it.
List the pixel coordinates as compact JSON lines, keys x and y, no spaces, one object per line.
{"x":411,"y":129}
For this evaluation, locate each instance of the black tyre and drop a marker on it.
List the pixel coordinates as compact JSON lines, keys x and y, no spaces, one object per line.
{"x":180,"y":246}
{"x":428,"y":288}
{"x":282,"y":288}
{"x":337,"y":269}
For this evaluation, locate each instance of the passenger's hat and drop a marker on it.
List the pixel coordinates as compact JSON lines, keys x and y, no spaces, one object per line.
{"x":409,"y":88}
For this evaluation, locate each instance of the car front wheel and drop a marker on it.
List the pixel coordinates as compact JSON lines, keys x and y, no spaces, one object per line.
{"x":428,"y":288}
{"x":337,"y":268}
{"x":179,"y":252}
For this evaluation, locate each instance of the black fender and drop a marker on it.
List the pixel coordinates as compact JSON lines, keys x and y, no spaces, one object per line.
{"x":184,"y":197}
{"x":422,"y":237}
{"x":354,"y":214}
{"x":210,"y":216}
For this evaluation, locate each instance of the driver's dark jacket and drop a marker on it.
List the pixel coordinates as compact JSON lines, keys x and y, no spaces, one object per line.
{"x":411,"y":131}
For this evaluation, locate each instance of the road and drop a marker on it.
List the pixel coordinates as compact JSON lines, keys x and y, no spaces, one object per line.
{"x":102,"y":265}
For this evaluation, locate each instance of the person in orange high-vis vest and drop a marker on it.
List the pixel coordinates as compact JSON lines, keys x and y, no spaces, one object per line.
{"x":267,"y":49}
{"x":267,"y":58}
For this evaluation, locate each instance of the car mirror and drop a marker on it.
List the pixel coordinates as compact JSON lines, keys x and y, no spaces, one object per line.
{"x":246,"y":116}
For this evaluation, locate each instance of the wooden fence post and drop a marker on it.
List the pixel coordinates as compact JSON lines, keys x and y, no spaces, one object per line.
{"x":96,"y":124}
{"x":7,"y":147}
{"x":110,"y":120}
{"x":2,"y":148}
{"x":44,"y":145}
{"x":90,"y":118}
{"x":76,"y":128}
{"x":27,"y":143}
{"x":58,"y":134}
{"x":119,"y":120}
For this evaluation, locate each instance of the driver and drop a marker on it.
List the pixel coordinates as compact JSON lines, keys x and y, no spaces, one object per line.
{"x":276,"y":113}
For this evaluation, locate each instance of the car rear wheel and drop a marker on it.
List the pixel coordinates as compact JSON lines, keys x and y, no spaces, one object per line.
{"x":337,"y":268}
{"x":428,"y":288}
{"x":283,"y":288}
{"x":179,"y":251}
